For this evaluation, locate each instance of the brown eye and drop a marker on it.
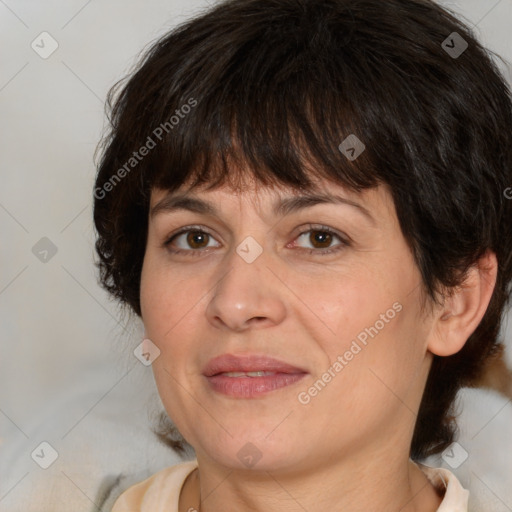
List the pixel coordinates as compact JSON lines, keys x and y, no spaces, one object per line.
{"x":196,"y":239}
{"x":188,"y":240}
{"x":320,"y":240}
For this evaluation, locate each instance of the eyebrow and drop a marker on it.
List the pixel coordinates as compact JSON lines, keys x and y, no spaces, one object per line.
{"x":282,"y":207}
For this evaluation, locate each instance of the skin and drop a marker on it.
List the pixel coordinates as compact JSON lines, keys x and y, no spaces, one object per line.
{"x":348,"y":448}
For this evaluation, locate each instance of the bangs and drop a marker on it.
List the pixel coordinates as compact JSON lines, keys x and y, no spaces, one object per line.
{"x":282,"y":141}
{"x":274,"y":112}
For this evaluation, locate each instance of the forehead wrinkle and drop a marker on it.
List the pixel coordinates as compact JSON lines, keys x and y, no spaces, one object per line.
{"x":287,"y":200}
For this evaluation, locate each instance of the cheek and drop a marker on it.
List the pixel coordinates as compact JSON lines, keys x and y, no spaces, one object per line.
{"x":373,"y":329}
{"x":146,"y":289}
{"x":168,"y":314}
{"x":170,"y":305}
{"x":349,"y":306}
{"x":178,"y":407}
{"x":164,"y":295}
{"x":389,"y":367}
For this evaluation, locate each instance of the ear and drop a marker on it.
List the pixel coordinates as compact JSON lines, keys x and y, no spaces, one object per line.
{"x":464,"y":308}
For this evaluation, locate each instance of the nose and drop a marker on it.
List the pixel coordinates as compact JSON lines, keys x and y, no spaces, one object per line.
{"x":247,"y":295}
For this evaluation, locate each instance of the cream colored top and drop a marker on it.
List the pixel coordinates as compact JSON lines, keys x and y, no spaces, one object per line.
{"x":161,"y":491}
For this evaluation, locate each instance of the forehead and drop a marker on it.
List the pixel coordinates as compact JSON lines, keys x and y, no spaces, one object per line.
{"x":373,"y":203}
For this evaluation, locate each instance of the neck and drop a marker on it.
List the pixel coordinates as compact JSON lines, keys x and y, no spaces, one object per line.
{"x":367,"y":484}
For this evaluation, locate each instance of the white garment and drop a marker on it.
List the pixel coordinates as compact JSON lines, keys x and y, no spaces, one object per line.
{"x":161,"y":491}
{"x":455,"y":496}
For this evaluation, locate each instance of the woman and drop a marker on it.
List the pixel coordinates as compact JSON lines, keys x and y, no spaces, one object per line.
{"x":303,"y":201}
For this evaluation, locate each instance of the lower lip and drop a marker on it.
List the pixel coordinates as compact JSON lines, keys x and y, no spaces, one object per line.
{"x":251,"y":387}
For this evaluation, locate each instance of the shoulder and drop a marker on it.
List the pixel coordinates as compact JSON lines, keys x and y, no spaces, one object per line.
{"x":455,"y":496}
{"x":157,"y":492}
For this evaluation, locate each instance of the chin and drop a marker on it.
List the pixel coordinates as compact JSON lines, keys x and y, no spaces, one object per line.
{"x":251,"y":452}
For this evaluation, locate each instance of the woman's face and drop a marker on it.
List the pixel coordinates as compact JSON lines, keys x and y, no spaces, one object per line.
{"x":328,"y":288}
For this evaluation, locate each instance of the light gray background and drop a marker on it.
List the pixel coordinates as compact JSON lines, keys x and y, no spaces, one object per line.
{"x":68,"y":373}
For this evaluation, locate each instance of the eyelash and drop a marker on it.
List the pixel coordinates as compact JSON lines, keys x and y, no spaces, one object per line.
{"x":197,"y":252}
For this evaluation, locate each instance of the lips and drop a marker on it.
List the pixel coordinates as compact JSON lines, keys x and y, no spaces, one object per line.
{"x":250,"y":376}
{"x":229,"y":363}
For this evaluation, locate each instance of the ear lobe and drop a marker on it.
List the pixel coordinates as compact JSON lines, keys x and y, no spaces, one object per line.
{"x":464,"y":308}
